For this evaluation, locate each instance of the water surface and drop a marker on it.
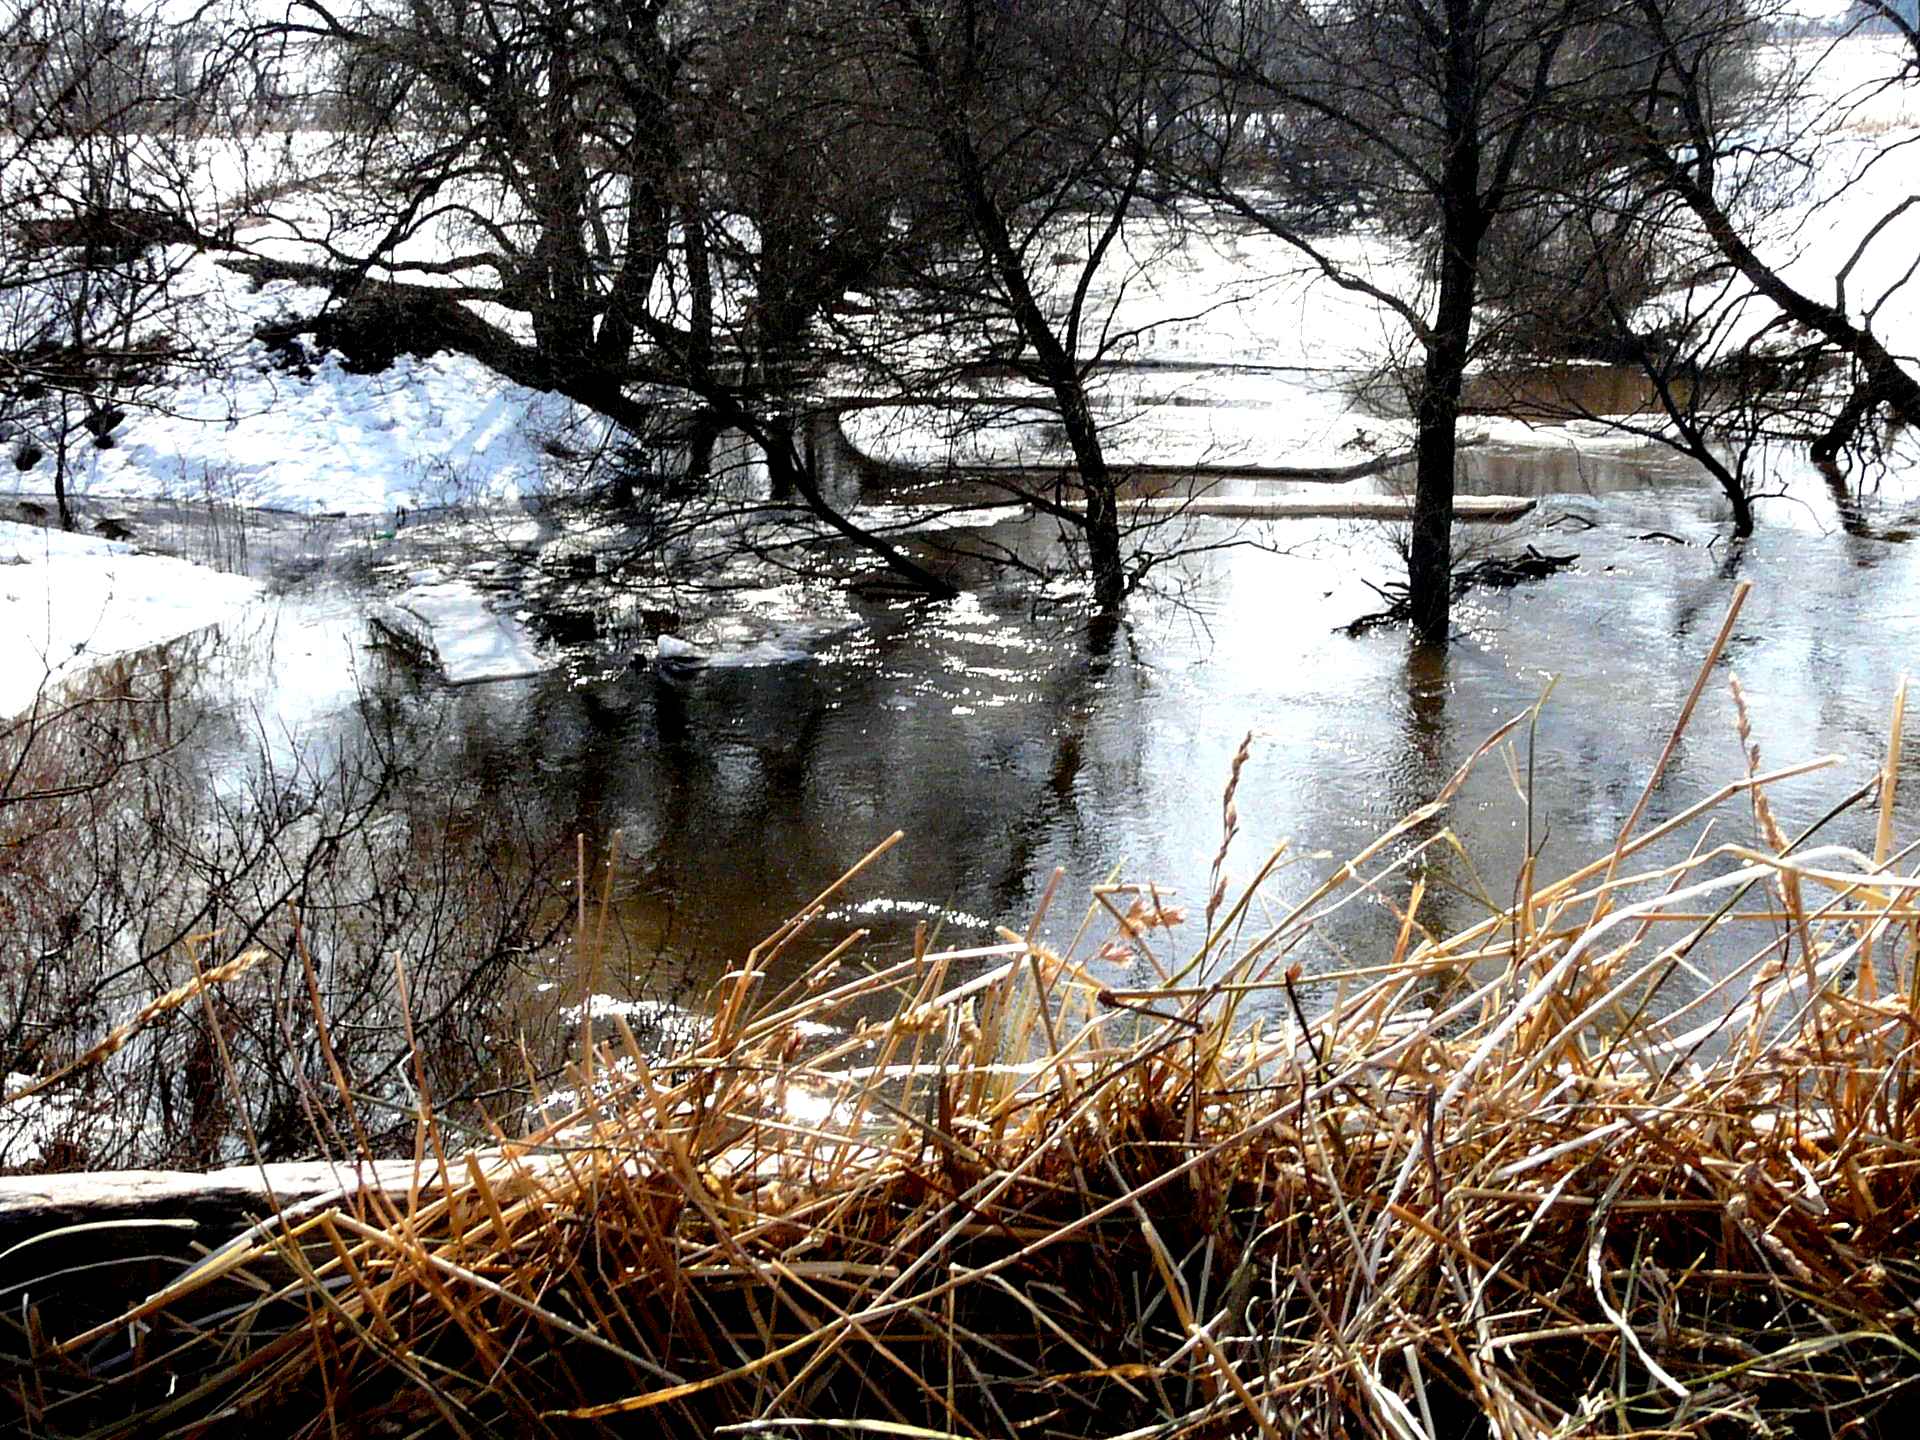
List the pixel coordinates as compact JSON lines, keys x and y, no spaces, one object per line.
{"x":1009,"y":739}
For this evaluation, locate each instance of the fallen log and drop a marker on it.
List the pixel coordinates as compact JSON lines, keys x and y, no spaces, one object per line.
{"x":78,"y":1247}
{"x":1482,"y":509}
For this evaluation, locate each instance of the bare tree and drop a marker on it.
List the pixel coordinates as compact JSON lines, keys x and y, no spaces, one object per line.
{"x":682,"y":201}
{"x":1604,"y":267}
{"x":1738,"y":154}
{"x":554,"y":160}
{"x":1047,"y":124}
{"x":105,"y":116}
{"x":1428,"y":122}
{"x":1727,"y":178}
{"x":372,"y":899}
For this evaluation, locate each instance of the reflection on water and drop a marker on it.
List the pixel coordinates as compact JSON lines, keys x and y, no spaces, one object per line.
{"x":1008,"y":742}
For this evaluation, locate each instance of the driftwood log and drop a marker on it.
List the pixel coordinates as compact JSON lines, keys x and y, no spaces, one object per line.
{"x":1495,"y":572}
{"x":1485,"y":509}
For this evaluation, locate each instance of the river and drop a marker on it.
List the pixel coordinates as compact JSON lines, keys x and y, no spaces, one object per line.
{"x":1008,"y":742}
{"x":434,"y":829}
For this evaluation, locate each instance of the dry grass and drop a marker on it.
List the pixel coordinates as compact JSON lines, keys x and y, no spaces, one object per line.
{"x":1500,"y":1184}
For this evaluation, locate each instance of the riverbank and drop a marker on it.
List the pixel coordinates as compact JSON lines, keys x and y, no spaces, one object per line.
{"x":1069,"y":1189}
{"x":69,"y":602}
{"x":1007,"y":738}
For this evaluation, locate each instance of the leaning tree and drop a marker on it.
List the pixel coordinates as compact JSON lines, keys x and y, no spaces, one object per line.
{"x":1043,"y":128}
{"x":1750,"y":244}
{"x":1723,"y":171}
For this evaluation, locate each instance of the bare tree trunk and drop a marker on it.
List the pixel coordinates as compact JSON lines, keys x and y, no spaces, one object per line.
{"x":699,"y":262}
{"x":789,"y":474}
{"x":1054,"y":363}
{"x":62,"y":430}
{"x":1437,"y":405}
{"x":1060,"y":372}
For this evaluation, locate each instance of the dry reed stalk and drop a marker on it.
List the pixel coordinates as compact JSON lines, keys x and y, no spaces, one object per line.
{"x":1491,"y":1189}
{"x":203,"y":982}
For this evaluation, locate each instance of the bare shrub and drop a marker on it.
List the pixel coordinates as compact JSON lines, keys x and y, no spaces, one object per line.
{"x":127,"y":870}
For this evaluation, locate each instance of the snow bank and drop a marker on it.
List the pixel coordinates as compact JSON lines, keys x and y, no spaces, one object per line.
{"x":70,"y":601}
{"x":425,"y":432}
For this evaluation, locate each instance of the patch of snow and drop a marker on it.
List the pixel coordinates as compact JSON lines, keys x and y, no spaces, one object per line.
{"x":765,"y":625}
{"x":473,"y":642}
{"x":28,"y":1125}
{"x":673,"y":650}
{"x":425,"y":432}
{"x":927,"y":519}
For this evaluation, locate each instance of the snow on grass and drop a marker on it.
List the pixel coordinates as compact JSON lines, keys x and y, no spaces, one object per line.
{"x":70,"y":601}
{"x":31,"y":1127}
{"x":1816,"y":12}
{"x":1221,"y":291}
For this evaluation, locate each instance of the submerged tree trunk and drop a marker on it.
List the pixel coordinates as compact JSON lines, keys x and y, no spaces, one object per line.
{"x":1443,"y":371}
{"x":1054,"y":364}
{"x":789,"y":474}
{"x":1096,"y":481}
{"x":1057,"y":369}
{"x":60,"y":442}
{"x":703,"y":434}
{"x":1430,"y":547}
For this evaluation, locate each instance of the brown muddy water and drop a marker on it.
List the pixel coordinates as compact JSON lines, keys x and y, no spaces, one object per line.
{"x":1011,"y":740}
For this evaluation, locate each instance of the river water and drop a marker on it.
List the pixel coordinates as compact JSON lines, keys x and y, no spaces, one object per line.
{"x":1009,"y":739}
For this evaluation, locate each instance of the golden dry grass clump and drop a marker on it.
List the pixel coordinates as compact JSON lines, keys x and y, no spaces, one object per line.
{"x":1495,"y":1182}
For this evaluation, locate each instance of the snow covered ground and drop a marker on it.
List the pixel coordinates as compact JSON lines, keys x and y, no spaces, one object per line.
{"x":70,"y":601}
{"x":1212,"y":416}
{"x":424,"y":432}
